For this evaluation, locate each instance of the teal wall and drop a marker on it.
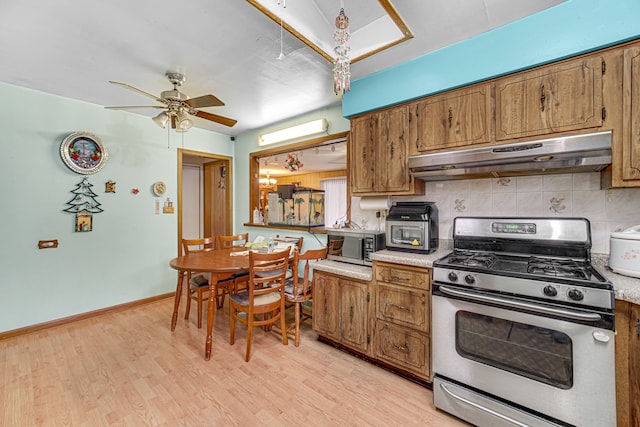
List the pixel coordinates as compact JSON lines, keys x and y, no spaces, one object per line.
{"x":125,"y":257}
{"x":568,"y":29}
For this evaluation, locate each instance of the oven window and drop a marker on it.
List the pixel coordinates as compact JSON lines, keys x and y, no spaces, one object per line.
{"x":406,"y":235}
{"x":538,"y":353}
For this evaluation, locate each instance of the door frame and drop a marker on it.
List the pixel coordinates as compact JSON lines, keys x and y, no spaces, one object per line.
{"x":228,"y":163}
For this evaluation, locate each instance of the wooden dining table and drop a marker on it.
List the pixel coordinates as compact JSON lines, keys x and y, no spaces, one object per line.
{"x":221,"y":264}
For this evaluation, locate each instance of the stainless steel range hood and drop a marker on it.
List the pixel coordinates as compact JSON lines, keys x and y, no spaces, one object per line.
{"x":577,"y":153}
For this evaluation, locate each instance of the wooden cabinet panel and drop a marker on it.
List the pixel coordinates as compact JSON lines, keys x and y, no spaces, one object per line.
{"x":378,"y":153}
{"x":631,"y":115}
{"x":404,"y":348}
{"x":402,"y":276}
{"x":326,"y":314}
{"x":553,"y":99}
{"x":403,"y":306}
{"x":364,"y":131}
{"x":455,"y":119}
{"x":341,"y":310}
{"x":402,"y":320}
{"x":353,"y":314}
{"x":392,"y":173}
{"x":627,"y":364}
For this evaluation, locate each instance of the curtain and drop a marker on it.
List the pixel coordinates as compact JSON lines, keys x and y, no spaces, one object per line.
{"x":335,"y":196}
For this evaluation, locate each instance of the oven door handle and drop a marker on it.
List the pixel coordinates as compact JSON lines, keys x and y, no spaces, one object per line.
{"x":592,"y":317}
{"x":482,"y":408}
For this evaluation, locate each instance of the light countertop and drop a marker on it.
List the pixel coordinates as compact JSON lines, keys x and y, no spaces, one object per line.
{"x":626,"y":288}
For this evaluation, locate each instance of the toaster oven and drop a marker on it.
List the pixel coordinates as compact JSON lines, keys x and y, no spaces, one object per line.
{"x":412,"y":227}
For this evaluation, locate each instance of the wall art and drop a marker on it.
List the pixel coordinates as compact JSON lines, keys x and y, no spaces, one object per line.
{"x":83,"y":153}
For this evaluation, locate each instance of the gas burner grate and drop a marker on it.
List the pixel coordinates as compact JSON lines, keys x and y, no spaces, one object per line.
{"x":472,"y":259}
{"x":555,"y":267}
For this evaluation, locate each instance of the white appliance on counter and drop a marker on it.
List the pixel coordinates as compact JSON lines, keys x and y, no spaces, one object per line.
{"x":624,"y":255}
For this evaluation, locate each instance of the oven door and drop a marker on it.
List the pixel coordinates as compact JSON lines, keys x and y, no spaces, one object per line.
{"x":410,"y":235}
{"x":540,"y":360}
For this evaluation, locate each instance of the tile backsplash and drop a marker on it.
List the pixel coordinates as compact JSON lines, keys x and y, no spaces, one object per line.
{"x":566,"y":195}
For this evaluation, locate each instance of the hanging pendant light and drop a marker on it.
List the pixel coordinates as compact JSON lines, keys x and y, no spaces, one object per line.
{"x":341,"y":72}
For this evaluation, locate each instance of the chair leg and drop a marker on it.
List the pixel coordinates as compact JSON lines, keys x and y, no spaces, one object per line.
{"x":232,"y":324}
{"x":297,"y":331}
{"x":200,"y":303}
{"x":247,"y":355}
{"x":283,"y":325}
{"x":188,"y":309}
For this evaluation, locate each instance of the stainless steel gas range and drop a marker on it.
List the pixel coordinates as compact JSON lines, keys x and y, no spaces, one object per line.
{"x":523,"y":325}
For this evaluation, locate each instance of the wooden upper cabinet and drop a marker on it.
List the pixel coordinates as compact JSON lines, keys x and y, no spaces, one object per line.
{"x":364,"y":137}
{"x":453,"y":119}
{"x":553,"y":99}
{"x":631,"y":115}
{"x":392,"y":173}
{"x":379,"y":153}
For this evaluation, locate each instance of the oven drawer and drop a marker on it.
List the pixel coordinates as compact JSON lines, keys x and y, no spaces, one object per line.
{"x":418,"y":278}
{"x":405,"y":348}
{"x":403,"y":306}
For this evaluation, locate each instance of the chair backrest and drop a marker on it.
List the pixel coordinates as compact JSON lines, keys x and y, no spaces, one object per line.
{"x":298,"y":243}
{"x":235,"y":240}
{"x":335,"y":246}
{"x":199,"y":245}
{"x":267,"y":272}
{"x":309,"y":257}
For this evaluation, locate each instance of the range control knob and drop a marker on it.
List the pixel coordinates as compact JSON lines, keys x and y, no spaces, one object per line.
{"x":453,"y":277}
{"x":576,"y":295}
{"x":469,"y":279}
{"x":550,"y":291}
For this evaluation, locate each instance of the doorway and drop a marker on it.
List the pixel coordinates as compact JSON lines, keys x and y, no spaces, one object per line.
{"x":204,"y":195}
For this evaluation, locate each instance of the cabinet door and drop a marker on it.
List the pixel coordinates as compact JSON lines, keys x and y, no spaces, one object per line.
{"x":555,"y":99}
{"x":404,"y":348}
{"x":403,"y":306}
{"x":363,"y":140}
{"x":325,"y":305}
{"x":453,"y":120}
{"x":392,"y":174}
{"x":353,"y":314}
{"x":631,"y":115}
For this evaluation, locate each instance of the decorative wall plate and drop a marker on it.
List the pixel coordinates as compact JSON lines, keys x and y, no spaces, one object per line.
{"x":159,"y":188}
{"x":83,"y":153}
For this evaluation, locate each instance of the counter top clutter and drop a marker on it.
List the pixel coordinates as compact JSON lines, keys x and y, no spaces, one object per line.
{"x":626,"y":288}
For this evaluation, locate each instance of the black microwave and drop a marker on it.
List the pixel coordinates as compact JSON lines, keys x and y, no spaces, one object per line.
{"x":354,"y":246}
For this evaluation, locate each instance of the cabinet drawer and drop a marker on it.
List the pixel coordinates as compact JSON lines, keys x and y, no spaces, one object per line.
{"x":403,"y":306}
{"x":401,"y":276}
{"x":404,"y":348}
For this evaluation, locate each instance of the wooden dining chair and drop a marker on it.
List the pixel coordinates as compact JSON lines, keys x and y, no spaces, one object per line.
{"x":241,"y":277}
{"x":264,"y":296}
{"x":198,"y":289}
{"x":299,"y":290}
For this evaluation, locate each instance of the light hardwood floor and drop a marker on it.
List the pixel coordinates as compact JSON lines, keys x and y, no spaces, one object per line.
{"x":129,"y":369}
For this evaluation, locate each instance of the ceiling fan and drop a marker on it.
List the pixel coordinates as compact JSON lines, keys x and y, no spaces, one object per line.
{"x":177,"y":106}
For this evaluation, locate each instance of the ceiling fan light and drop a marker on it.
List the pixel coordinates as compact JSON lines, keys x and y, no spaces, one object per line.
{"x":161,"y":119}
{"x":184,"y":123}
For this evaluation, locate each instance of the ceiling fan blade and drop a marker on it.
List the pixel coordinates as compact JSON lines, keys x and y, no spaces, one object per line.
{"x":141,"y":92}
{"x":204,"y":101}
{"x":215,"y":118}
{"x":135,"y":106}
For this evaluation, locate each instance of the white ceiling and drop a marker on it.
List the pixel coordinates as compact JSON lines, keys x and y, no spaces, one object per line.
{"x":226,"y":48}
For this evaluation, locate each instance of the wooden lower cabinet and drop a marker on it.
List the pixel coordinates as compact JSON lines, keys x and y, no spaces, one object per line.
{"x":341,"y":310}
{"x":627,"y":363}
{"x":401,"y":325}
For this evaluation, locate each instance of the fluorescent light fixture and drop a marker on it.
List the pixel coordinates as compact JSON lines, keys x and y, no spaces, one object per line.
{"x":309,"y":128}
